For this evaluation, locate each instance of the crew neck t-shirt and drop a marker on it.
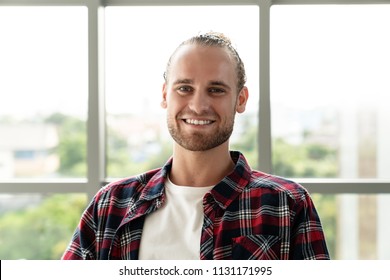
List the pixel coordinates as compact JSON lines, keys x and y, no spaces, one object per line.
{"x":173,"y":231}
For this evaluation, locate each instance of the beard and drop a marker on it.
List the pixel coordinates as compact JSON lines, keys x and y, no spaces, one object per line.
{"x":200,"y":141}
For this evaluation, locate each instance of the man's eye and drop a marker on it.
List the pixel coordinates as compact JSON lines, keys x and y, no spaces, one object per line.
{"x":216,"y":90}
{"x":184,"y":89}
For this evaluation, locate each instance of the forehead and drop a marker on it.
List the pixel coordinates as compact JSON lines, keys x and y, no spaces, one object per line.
{"x":200,"y":59}
{"x":203,"y":50}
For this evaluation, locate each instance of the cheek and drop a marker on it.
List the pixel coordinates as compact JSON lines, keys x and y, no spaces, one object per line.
{"x":173,"y":109}
{"x":231,"y":107}
{"x":174,"y":104}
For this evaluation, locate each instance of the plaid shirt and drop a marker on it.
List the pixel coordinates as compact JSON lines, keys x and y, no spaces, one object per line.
{"x":248,"y":215}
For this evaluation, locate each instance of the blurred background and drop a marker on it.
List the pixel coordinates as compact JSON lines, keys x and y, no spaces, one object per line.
{"x":80,"y":92}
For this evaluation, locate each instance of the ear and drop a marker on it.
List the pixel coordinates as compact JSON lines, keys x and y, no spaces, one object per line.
{"x":242,"y":99}
{"x":164,"y":96}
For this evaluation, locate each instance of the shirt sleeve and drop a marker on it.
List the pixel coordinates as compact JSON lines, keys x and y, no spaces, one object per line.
{"x":82,"y":245}
{"x":307,"y":236}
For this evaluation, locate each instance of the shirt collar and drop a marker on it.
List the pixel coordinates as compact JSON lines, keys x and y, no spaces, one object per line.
{"x":223,"y":193}
{"x":152,"y":192}
{"x":232,"y":185}
{"x":154,"y":187}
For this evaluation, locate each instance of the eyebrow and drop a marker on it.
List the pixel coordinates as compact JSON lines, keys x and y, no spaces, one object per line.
{"x":219,"y":83}
{"x":183,"y":81}
{"x":211,"y":83}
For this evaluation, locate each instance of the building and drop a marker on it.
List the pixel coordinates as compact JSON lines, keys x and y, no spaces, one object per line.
{"x":27,"y":150}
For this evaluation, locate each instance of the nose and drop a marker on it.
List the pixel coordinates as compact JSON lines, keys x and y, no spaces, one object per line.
{"x":199,"y":103}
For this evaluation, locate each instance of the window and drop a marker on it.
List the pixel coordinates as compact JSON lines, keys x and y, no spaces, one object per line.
{"x":329,"y":96}
{"x":329,"y":81}
{"x":38,"y":226}
{"x":78,"y":108}
{"x":44,"y":87}
{"x":43,"y":113}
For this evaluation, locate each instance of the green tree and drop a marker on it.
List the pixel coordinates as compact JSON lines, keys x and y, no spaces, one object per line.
{"x":72,"y":148}
{"x":247,"y":142}
{"x":305,"y":160}
{"x":41,"y":232}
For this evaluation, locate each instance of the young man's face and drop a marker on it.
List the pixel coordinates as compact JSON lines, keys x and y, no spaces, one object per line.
{"x":201,"y":97}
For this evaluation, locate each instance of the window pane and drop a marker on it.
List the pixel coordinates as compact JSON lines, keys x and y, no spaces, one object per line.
{"x":38,"y":227}
{"x":43,"y":89}
{"x":139,"y":41}
{"x":356,"y":226}
{"x":330,"y":90}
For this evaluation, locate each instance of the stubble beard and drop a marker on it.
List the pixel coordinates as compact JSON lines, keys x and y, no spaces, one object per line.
{"x":198,"y":141}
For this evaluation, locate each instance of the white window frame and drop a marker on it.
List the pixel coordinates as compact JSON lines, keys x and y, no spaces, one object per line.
{"x":96,"y":108}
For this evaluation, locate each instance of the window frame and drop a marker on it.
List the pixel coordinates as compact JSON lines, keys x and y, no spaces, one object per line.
{"x":96,"y":133}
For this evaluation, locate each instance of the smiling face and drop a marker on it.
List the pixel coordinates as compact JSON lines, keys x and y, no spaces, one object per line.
{"x":201,"y":97}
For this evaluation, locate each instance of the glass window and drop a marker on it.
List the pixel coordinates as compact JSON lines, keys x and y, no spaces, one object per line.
{"x":356,"y":226}
{"x":36,"y":226}
{"x":139,"y":41}
{"x":44,"y":90}
{"x":330,"y":91}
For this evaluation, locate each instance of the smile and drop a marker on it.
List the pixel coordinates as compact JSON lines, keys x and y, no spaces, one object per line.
{"x":198,"y":122}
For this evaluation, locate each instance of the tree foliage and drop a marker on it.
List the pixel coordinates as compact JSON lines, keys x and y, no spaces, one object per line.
{"x":41,"y":232}
{"x":72,"y":148}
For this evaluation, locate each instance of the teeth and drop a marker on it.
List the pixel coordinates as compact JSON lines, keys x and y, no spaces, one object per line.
{"x":197,"y":122}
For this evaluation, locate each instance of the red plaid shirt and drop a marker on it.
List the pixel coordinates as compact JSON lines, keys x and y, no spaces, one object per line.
{"x":248,"y":215}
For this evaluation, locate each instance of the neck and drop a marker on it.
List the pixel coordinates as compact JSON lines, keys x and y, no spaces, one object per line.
{"x":200,"y":169}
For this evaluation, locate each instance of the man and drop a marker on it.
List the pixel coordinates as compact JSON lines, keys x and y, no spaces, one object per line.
{"x":206,"y":202}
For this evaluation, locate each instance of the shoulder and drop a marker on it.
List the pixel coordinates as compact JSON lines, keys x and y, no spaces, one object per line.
{"x":129,"y":187}
{"x":264,"y":185}
{"x":277,"y":185}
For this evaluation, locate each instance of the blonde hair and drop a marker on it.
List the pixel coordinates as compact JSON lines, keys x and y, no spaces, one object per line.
{"x":214,"y":39}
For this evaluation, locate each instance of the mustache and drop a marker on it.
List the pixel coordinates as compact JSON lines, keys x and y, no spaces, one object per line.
{"x":186,"y":113}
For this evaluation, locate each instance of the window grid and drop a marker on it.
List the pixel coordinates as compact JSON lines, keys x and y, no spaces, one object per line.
{"x":96,"y":113}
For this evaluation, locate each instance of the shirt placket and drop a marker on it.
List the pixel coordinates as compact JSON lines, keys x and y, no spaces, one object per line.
{"x":137,"y":213}
{"x":207,"y":236}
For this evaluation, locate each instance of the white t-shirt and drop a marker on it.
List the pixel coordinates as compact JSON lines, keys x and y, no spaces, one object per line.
{"x":173,"y":231}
